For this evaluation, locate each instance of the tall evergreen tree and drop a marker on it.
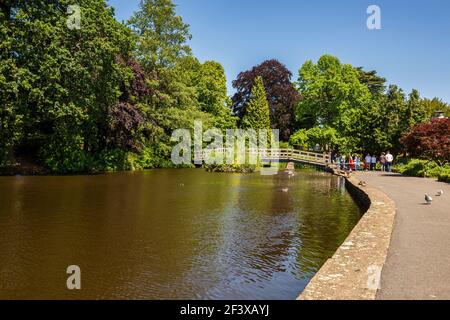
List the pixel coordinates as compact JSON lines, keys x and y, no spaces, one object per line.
{"x":415,"y":110}
{"x":257,"y":115}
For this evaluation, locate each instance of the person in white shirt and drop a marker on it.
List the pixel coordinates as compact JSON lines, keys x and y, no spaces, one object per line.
{"x":389,"y":161}
{"x":368,"y":161}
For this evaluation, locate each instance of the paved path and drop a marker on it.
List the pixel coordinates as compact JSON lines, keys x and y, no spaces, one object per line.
{"x":418,"y":263}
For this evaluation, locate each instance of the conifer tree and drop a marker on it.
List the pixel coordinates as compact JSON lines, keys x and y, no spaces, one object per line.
{"x":257,"y":113}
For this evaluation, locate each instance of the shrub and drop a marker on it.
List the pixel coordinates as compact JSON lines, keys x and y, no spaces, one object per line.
{"x":235,"y":168}
{"x":113,"y":160}
{"x":64,"y":153}
{"x":285,"y":145}
{"x":417,"y":168}
{"x":154,"y":156}
{"x":424,"y":169}
{"x":444,"y":175}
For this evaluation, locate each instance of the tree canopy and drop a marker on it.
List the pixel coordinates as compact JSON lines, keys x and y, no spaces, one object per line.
{"x":355,"y":104}
{"x":103,"y":96}
{"x":162,"y":35}
{"x":281,"y":95}
{"x":108,"y":95}
{"x":333,"y":96}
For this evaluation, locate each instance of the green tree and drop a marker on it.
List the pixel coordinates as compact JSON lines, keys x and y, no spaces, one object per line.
{"x":372,"y":81}
{"x":334,"y":97}
{"x":162,"y":34}
{"x":211,"y":85}
{"x":61,"y":81}
{"x":434,"y":105}
{"x":186,"y":89}
{"x":324,"y":137}
{"x":257,"y":114}
{"x":300,"y":139}
{"x":391,"y":120}
{"x":415,"y":112}
{"x":10,"y":116}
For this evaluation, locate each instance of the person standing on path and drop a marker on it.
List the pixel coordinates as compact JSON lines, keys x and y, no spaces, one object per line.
{"x":368,"y":162}
{"x":389,"y":161}
{"x":357,"y":163}
{"x":373,"y":162}
{"x":383,"y":162}
{"x":339,"y":162}
{"x":351,"y":163}
{"x":343,"y":162}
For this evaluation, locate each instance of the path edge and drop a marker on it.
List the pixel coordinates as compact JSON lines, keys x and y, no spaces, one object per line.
{"x":354,"y":271}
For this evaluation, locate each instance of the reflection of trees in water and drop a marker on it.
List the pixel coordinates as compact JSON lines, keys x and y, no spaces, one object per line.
{"x":328,"y":216}
{"x":248,"y":255}
{"x":172,"y":234}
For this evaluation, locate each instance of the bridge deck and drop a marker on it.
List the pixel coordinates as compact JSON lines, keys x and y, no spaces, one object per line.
{"x":273,"y":155}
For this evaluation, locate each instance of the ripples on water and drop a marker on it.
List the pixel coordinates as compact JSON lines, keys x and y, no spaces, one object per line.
{"x":169,"y":234}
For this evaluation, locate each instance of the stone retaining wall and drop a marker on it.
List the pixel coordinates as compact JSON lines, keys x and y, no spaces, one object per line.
{"x":354,"y":272}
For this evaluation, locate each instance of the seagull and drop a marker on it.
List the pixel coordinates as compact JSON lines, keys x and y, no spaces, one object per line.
{"x":428,"y":199}
{"x":285,"y":189}
{"x":440,"y":193}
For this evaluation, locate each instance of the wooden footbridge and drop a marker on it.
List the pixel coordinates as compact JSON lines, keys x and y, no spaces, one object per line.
{"x":275,"y":155}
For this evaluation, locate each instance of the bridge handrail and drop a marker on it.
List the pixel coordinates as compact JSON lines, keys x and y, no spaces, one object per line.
{"x":282,"y":154}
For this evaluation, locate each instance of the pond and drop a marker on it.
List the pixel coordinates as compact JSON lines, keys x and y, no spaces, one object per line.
{"x":170,"y":234}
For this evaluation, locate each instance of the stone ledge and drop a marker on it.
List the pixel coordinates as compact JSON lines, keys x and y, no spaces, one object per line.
{"x":354,"y":272}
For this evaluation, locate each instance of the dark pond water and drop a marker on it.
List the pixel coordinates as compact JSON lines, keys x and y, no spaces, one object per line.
{"x":169,"y":234}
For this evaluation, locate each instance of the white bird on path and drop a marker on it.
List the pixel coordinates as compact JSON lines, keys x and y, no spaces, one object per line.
{"x":428,"y":199}
{"x":440,"y":193}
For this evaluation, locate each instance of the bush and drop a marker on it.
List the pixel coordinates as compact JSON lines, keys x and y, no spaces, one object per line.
{"x":423,"y":169}
{"x":65,"y":153}
{"x":444,"y":175}
{"x":114,"y":160}
{"x":154,"y":156}
{"x":235,"y":168}
{"x":417,"y":168}
{"x":284,"y":145}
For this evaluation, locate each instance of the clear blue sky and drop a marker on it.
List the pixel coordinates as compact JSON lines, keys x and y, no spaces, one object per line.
{"x":412,"y":50}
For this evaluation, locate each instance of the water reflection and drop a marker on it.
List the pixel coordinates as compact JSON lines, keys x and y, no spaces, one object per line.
{"x":169,"y":234}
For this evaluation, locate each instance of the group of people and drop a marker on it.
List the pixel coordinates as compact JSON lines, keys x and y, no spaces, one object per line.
{"x":369,"y":163}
